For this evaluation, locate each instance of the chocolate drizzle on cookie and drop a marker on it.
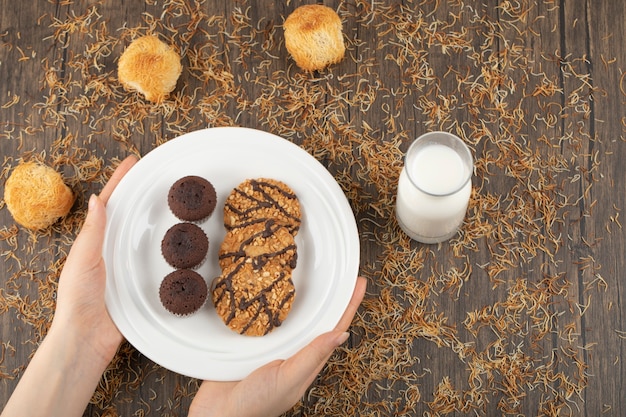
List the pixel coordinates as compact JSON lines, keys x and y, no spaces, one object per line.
{"x":257,"y":200}
{"x":255,"y":291}
{"x":251,"y":308}
{"x":263,"y":307}
{"x":259,"y":243}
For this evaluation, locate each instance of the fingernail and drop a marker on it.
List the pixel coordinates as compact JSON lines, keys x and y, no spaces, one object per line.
{"x":92,"y":202}
{"x":341,"y":339}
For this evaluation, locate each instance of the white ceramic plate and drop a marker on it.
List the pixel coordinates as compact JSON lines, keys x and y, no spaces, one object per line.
{"x":201,"y":346}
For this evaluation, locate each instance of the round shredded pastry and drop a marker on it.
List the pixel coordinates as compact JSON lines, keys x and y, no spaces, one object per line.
{"x":313,"y":37}
{"x":36,"y":195}
{"x":151,"y":67}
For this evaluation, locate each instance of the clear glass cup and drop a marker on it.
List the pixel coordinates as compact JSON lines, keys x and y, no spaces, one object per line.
{"x":434,"y":187}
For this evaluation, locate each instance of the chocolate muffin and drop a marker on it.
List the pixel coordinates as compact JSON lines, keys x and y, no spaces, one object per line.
{"x":192,"y":198}
{"x":183,"y":292}
{"x":185,"y":245}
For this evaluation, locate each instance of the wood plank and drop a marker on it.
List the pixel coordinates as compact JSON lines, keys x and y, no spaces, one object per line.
{"x":604,"y":320}
{"x":24,"y":285}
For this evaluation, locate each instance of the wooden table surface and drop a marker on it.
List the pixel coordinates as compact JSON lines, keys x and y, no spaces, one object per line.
{"x":521,"y":313}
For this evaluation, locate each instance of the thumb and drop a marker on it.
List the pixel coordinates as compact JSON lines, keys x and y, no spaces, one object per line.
{"x":89,"y":241}
{"x":302,"y":368}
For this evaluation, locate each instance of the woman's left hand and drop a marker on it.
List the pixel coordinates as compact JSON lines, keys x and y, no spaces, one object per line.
{"x":80,"y":299}
{"x":82,"y":339}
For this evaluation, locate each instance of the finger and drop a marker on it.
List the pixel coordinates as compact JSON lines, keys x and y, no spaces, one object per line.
{"x":338,"y":335}
{"x":304,"y":366}
{"x":217,"y":386}
{"x":210,"y":397}
{"x":88,"y":245}
{"x":299,"y":371}
{"x":117,"y":176}
{"x":353,"y":305}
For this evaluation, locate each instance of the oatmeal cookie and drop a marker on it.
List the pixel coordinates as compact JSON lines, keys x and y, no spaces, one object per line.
{"x":253,"y":302}
{"x":259,"y":243}
{"x":262,"y":199}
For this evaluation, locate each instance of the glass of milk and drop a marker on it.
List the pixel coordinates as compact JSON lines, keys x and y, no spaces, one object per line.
{"x":434,"y":187}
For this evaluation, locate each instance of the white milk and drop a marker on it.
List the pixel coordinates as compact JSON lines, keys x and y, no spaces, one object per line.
{"x":433,"y":198}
